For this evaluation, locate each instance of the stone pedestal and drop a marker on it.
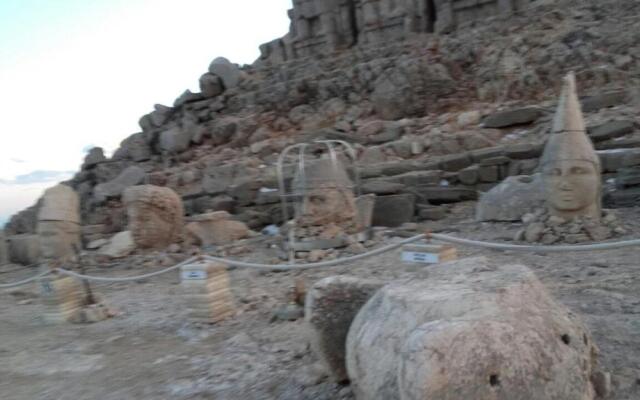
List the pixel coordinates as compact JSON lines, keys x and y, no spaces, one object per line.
{"x":61,"y":298}
{"x":206,"y":291}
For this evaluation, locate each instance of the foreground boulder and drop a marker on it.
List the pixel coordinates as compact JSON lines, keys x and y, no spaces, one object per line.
{"x":155,"y":216}
{"x":471,"y":331}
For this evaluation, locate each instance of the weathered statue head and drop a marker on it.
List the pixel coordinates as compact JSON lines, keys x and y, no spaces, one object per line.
{"x":570,"y":166}
{"x":328,"y":196}
{"x":59,"y":224}
{"x":155,"y":215}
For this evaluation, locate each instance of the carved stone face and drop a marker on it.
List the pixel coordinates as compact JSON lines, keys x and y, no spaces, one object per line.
{"x":572,"y":188}
{"x":328,"y":205}
{"x":57,"y":239}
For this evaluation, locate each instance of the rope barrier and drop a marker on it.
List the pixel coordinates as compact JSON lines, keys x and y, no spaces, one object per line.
{"x":25,"y":281}
{"x":127,"y":278}
{"x":330,"y":263}
{"x":535,"y":248}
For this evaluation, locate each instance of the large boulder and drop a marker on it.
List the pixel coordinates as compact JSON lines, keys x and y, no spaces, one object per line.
{"x":330,"y":307}
{"x":511,"y":199}
{"x":229,"y":73}
{"x":394,"y":210}
{"x":210,"y":85}
{"x":24,"y":249}
{"x":155,"y":215}
{"x":471,"y":331}
{"x":131,"y":176}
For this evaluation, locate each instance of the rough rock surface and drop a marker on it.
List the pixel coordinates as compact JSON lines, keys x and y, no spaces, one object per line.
{"x":511,"y":199}
{"x":24,"y":249}
{"x":330,"y":307}
{"x":131,"y":176}
{"x":155,"y":216}
{"x":471,"y":330}
{"x":4,"y":249}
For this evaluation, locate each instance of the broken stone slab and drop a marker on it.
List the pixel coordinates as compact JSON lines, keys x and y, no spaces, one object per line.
{"x":24,"y":249}
{"x":393,"y":210}
{"x":604,"y":100}
{"x":611,"y":130}
{"x":470,"y":331}
{"x":511,"y":199}
{"x":519,"y":116}
{"x":330,"y":307}
{"x":216,"y":228}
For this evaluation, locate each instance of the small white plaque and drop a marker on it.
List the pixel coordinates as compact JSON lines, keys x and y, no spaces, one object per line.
{"x":194,"y":275}
{"x":418,"y":257}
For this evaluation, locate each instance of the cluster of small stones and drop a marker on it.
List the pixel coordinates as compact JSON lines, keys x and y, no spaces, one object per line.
{"x":550,"y":229}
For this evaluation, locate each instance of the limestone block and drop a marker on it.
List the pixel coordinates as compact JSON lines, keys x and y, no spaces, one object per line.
{"x":471,"y":331}
{"x":330,"y":307}
{"x":206,"y":292}
{"x":511,"y":199}
{"x":155,"y":215}
{"x":61,"y":298}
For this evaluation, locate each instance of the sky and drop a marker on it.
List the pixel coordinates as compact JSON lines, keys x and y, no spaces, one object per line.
{"x":80,"y":73}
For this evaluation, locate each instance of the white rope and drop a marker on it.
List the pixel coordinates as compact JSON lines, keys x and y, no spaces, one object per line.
{"x":535,"y":248}
{"x":24,"y":282}
{"x":269,"y":267}
{"x":127,"y":278}
{"x":330,"y":263}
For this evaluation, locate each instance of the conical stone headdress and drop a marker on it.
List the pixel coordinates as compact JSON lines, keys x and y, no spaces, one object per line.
{"x":568,"y":139}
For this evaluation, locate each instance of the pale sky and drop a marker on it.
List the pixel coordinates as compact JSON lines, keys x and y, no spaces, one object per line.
{"x":80,"y":73}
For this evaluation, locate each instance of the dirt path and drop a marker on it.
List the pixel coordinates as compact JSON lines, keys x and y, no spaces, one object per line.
{"x":150,"y":352}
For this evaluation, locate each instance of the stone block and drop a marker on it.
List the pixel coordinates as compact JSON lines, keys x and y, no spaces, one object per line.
{"x":469,"y":176}
{"x":523,"y":151}
{"x":519,"y":116}
{"x":432,"y":213}
{"x":229,"y":73}
{"x":330,"y":307}
{"x":120,"y":245}
{"x":604,"y":100}
{"x":488,"y":152}
{"x":489,"y":174}
{"x":613,"y":160}
{"x":381,"y":187}
{"x":610,"y":130}
{"x":394,"y":210}
{"x":216,"y":228}
{"x":206,"y":292}
{"x":500,"y":160}
{"x":61,"y":298}
{"x":455,"y":162}
{"x":444,"y":194}
{"x":131,"y":176}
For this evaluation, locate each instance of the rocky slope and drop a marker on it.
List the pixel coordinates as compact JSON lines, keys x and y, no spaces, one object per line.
{"x":435,"y":118}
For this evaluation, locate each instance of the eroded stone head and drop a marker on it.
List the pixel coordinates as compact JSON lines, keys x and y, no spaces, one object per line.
{"x":59,"y":224}
{"x":327,"y":196}
{"x":155,"y":215}
{"x":570,"y":166}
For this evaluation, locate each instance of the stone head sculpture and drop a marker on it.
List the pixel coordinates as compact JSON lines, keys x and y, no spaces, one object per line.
{"x":570,"y":166}
{"x":327,"y":195}
{"x":59,"y":224}
{"x":155,"y":215}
